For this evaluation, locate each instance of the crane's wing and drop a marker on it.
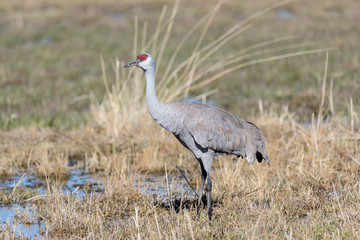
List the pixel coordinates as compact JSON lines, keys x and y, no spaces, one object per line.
{"x":214,"y":128}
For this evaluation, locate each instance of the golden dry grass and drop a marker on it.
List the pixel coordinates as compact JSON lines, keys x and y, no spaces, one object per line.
{"x":311,"y":189}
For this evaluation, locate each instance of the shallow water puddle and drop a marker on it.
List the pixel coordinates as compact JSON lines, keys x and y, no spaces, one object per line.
{"x":78,"y":183}
{"x":21,"y":220}
{"x":285,"y":14}
{"x":20,"y":217}
{"x":162,"y":187}
{"x":171,"y":192}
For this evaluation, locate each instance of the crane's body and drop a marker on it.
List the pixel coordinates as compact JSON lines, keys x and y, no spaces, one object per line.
{"x":205,"y":130}
{"x":203,"y":127}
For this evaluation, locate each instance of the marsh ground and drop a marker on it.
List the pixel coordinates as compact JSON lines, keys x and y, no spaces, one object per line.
{"x":57,"y":115}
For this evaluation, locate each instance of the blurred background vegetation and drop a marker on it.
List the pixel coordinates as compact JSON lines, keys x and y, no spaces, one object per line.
{"x":50,"y":69}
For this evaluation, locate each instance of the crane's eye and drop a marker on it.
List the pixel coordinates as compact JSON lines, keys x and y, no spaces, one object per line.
{"x":142,"y":57}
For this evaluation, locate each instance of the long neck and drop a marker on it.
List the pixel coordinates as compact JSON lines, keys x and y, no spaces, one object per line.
{"x":154,"y":105}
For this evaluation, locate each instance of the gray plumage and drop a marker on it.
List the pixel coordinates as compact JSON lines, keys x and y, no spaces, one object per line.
{"x":207,"y":131}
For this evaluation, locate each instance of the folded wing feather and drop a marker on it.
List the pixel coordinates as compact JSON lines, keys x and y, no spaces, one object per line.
{"x":214,"y":128}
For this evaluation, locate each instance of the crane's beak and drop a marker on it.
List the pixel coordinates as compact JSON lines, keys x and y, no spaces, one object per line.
{"x":134,"y":63}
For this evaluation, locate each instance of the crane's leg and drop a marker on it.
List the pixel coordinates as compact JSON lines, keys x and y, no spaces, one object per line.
{"x":207,"y":162}
{"x":203,"y":179}
{"x":208,"y":192}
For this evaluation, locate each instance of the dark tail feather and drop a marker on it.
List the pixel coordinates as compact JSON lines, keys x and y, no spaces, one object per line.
{"x":260,"y":157}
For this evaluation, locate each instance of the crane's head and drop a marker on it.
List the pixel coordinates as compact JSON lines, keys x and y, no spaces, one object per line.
{"x":144,"y":61}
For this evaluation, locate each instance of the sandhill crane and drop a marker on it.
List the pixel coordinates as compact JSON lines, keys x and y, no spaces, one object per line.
{"x":207,"y":131}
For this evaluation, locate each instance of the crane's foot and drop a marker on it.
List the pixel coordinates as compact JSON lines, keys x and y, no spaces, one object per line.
{"x":210,"y":214}
{"x":209,"y":208}
{"x":204,"y":200}
{"x":201,"y":202}
{"x":198,"y":209}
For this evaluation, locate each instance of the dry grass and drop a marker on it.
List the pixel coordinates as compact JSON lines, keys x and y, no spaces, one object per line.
{"x":311,"y":189}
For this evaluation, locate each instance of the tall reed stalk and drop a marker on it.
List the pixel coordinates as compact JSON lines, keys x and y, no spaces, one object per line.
{"x":124,"y":103}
